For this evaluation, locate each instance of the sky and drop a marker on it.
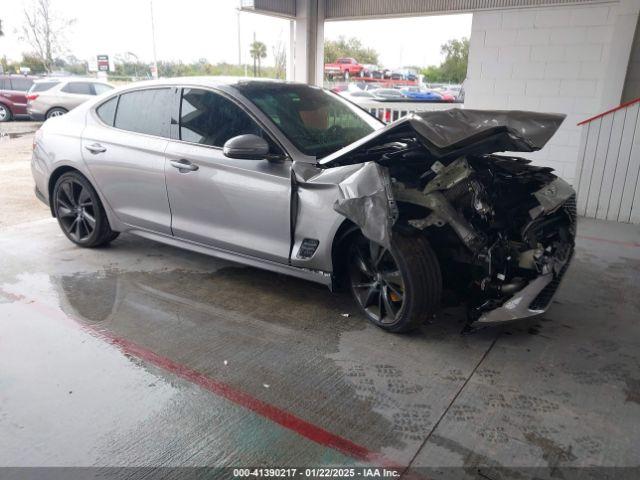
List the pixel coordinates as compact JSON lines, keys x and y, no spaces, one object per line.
{"x":189,"y":30}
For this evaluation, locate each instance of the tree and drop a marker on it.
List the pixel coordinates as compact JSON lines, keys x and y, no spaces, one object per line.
{"x":257,"y":52}
{"x":334,"y":49}
{"x":33,"y":63}
{"x":280,"y":59}
{"x":454,"y":67}
{"x":71,"y":64}
{"x":44,"y":31}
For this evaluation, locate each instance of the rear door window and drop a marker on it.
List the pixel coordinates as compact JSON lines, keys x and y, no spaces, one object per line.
{"x":145,"y":111}
{"x":21,"y":84}
{"x":78,"y":88}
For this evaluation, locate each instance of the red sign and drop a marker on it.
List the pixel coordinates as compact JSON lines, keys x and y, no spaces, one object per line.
{"x":103,"y":63}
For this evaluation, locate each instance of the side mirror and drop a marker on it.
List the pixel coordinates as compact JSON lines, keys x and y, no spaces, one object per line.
{"x":248,"y":147}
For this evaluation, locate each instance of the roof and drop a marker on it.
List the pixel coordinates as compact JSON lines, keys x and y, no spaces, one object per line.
{"x":69,"y":79}
{"x":220,"y":81}
{"x":210,"y":81}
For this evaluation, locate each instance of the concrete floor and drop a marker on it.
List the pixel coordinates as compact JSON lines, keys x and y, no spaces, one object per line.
{"x":17,"y":202}
{"x":144,"y":355}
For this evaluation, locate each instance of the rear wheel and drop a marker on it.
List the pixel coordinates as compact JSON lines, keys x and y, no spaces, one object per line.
{"x":398,"y":288}
{"x":80,"y":213}
{"x":5,"y":113}
{"x":56,"y":112}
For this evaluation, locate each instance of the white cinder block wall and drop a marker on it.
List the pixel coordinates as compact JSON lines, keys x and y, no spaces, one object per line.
{"x":544,"y":59}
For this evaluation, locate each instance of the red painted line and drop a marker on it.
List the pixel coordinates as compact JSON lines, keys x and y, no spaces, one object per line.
{"x":281,"y":417}
{"x":614,"y":109}
{"x":277,"y":415}
{"x":614,"y":242}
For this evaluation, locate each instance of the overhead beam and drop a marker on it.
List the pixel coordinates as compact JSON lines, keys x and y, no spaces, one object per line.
{"x":363,"y":9}
{"x":274,"y":8}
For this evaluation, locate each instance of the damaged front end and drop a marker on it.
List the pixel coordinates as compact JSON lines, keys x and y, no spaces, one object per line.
{"x":503,"y":229}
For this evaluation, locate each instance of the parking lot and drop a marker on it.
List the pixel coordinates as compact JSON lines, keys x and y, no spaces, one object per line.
{"x":140,"y":354}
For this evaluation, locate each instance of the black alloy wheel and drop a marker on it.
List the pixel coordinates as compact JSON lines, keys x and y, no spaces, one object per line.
{"x":79,"y":211}
{"x":75,"y":210}
{"x":376,"y":281}
{"x":397,"y":288}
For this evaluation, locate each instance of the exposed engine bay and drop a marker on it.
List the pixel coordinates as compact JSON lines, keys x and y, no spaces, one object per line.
{"x":503,"y":229}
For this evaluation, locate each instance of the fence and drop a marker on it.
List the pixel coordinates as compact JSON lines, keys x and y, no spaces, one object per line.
{"x":609,"y":165}
{"x":392,"y":111}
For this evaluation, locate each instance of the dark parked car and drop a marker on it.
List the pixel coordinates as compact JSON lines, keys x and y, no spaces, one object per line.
{"x":13,"y":99}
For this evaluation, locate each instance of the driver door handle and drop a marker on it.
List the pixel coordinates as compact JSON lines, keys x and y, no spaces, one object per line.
{"x":184,"y":165}
{"x":95,"y":148}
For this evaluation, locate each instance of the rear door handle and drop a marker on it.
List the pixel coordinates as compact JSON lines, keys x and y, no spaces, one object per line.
{"x":184,"y":165}
{"x":95,"y":148}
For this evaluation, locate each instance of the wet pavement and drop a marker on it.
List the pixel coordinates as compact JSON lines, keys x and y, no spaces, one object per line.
{"x":18,"y":204}
{"x":141,"y":354}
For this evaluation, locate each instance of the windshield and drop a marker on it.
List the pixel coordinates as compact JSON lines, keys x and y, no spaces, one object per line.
{"x":317,"y":122}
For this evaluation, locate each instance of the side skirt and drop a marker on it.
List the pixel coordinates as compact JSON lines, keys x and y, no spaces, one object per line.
{"x":325,"y":278}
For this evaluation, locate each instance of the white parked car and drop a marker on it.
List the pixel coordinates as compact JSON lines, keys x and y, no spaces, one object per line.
{"x":53,"y":97}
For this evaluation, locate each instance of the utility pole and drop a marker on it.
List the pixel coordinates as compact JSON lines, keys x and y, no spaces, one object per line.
{"x":154,"y":68}
{"x":239,"y":42}
{"x":255,"y":74}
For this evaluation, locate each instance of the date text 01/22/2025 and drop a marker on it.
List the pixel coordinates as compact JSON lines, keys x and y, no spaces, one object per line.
{"x":363,"y":472}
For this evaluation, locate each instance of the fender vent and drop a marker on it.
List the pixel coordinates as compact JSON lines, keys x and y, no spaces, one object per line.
{"x":308,"y":248}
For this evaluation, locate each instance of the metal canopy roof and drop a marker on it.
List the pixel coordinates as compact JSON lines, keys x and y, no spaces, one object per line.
{"x":361,"y":9}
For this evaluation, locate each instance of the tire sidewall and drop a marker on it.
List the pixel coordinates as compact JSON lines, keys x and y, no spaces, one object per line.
{"x":98,"y":210}
{"x":8,"y":113}
{"x":56,"y":109}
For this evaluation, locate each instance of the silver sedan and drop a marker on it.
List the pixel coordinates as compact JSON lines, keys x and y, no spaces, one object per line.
{"x":300,"y":181}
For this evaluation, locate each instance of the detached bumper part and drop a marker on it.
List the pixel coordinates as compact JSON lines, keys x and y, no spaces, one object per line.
{"x":518,"y":306}
{"x":534,"y":299}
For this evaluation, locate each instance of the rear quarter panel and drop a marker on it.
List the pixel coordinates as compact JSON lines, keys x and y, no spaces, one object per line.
{"x":58,"y":144}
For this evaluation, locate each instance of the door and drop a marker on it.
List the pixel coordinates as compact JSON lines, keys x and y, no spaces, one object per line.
{"x":126,"y":156}
{"x":237,"y":205}
{"x":15,"y":91}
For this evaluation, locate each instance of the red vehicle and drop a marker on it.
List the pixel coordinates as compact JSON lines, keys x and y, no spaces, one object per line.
{"x":343,"y":67}
{"x":13,"y":96}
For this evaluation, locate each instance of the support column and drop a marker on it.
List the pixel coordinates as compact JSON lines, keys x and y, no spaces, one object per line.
{"x":309,"y":42}
{"x":291,"y":51}
{"x":624,"y":28}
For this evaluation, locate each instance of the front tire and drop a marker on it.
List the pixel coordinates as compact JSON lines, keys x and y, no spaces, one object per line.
{"x":80,"y":213}
{"x":396,"y":289}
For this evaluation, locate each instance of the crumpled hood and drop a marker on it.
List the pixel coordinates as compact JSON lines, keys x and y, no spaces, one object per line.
{"x":454,"y":132}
